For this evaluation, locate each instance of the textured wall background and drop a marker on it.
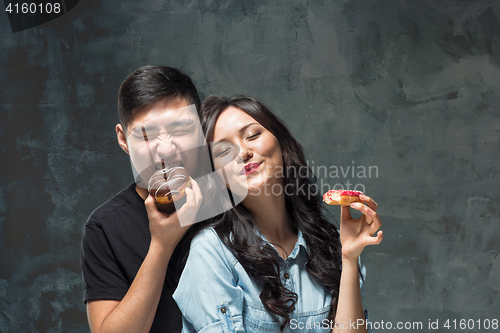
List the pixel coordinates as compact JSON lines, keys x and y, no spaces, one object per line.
{"x":411,"y":87}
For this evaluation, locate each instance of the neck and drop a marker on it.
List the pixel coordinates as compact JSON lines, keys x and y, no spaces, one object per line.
{"x":270,"y":213}
{"x":143,"y":193}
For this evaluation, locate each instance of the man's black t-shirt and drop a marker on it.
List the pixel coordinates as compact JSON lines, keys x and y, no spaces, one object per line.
{"x":115,"y":241}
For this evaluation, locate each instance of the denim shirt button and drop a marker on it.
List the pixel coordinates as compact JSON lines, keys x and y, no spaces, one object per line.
{"x":223,"y":309}
{"x":286,"y":276}
{"x":293,"y":308}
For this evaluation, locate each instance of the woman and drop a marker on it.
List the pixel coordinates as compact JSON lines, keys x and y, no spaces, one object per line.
{"x":272,"y":263}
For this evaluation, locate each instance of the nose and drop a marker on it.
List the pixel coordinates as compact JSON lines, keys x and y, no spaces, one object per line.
{"x":244,"y":155}
{"x":166,"y":146}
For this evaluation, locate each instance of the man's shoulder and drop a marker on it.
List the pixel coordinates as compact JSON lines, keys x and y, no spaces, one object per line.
{"x":124,"y":202}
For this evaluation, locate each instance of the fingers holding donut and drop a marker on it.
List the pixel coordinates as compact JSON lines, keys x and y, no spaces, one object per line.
{"x":369,"y":201}
{"x":371,"y":210}
{"x":377,"y":238}
{"x":359,"y":201}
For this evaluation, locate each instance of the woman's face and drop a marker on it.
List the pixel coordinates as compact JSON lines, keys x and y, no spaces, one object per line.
{"x":258,"y":164}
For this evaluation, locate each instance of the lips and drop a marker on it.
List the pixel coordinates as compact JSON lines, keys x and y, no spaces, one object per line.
{"x":249,"y":168}
{"x":162,"y":165}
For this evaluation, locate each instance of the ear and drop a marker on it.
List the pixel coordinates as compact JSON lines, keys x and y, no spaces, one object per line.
{"x":122,"y":140}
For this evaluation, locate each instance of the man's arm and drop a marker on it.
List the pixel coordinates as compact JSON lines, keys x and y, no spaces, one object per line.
{"x":136,"y":311}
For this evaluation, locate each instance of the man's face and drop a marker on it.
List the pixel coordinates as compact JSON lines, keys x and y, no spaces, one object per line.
{"x":162,"y":134}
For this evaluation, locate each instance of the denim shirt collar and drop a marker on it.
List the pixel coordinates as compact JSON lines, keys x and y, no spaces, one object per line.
{"x":301,"y":243}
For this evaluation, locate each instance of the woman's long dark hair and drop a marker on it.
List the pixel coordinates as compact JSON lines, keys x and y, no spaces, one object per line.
{"x":239,"y":231}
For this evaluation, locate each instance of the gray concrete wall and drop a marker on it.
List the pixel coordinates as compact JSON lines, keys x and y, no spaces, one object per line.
{"x":410,"y":88}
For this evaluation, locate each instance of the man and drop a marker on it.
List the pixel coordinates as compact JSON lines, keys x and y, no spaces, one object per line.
{"x":131,"y":257}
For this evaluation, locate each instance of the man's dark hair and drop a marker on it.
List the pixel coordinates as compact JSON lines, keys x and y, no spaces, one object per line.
{"x":150,"y":84}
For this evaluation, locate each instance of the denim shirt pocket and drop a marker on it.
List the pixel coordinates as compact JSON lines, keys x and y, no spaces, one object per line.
{"x":257,"y":319}
{"x":313,"y":321}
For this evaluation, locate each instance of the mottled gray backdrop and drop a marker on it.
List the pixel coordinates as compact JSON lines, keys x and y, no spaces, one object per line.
{"x":409,"y":88}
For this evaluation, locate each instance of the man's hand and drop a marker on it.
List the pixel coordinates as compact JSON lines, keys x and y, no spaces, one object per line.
{"x":168,"y":229}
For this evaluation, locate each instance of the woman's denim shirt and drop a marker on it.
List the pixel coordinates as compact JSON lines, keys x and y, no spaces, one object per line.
{"x":215,"y":294}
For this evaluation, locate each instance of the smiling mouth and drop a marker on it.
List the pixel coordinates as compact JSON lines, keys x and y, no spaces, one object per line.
{"x":249,"y":168}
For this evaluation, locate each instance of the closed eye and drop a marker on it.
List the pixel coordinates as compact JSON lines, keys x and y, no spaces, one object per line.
{"x":224,"y":152}
{"x":254,"y":136}
{"x":145,"y":134}
{"x":181,"y":128}
{"x":179,"y":132}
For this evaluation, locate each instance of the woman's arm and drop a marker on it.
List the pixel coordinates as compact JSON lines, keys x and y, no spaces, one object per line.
{"x":207,"y":294}
{"x":355,"y":234}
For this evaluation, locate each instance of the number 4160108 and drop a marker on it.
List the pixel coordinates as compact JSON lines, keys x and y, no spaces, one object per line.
{"x":33,"y":8}
{"x":471,"y":324}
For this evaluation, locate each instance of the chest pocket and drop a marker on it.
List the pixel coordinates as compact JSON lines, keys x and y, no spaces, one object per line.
{"x":312,"y":321}
{"x":257,"y":319}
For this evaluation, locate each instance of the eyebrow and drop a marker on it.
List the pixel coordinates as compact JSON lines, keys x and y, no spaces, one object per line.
{"x":151,"y":127}
{"x":181,"y":122}
{"x":241,"y":130}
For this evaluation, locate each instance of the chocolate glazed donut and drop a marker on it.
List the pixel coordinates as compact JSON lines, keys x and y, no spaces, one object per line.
{"x":168,"y":186}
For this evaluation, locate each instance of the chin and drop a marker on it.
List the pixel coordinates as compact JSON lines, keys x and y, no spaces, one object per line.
{"x":263,"y":188}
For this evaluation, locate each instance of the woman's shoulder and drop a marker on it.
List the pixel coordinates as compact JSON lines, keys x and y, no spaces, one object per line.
{"x":208,"y":243}
{"x":206,"y":236}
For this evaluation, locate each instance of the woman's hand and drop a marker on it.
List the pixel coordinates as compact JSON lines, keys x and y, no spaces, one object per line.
{"x":355,"y":234}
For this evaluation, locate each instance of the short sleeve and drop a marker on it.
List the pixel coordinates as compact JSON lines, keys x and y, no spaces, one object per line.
{"x":208,"y":295}
{"x":362,"y":279}
{"x":103,"y":276}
